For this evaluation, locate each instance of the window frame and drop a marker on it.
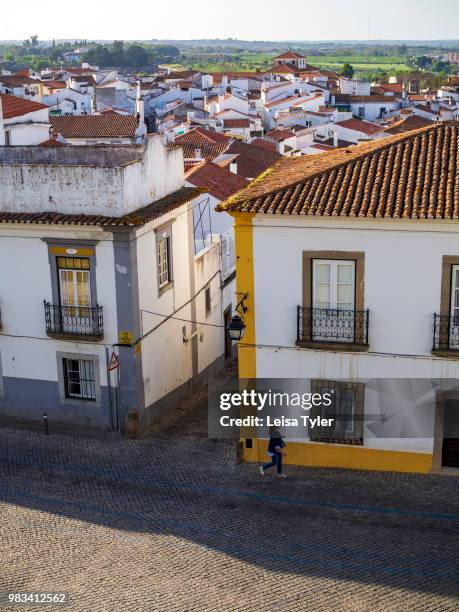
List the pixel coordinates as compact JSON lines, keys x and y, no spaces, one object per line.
{"x":359,"y":295}
{"x":90,"y":381}
{"x":76,"y":401}
{"x":331,"y":435}
{"x":164,"y":233}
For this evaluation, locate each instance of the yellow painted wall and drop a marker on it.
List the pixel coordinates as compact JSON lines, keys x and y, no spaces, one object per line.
{"x":245,"y":284}
{"x":309,"y":454}
{"x":316,"y":454}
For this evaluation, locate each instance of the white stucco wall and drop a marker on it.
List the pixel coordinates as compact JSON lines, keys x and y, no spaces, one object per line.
{"x":113,"y":190}
{"x":26,"y":350}
{"x":403,"y":262}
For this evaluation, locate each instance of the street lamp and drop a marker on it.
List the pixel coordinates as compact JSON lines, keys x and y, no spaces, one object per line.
{"x":236,"y":328}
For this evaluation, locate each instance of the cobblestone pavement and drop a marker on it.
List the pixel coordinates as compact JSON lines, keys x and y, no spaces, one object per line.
{"x":171,"y":523}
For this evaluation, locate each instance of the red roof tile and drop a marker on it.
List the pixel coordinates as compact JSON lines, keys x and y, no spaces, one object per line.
{"x":135,"y":219}
{"x":360,"y":126}
{"x":289,"y":55}
{"x":95,"y":126}
{"x":267,"y":145}
{"x":236,"y":123}
{"x":411,"y":176}
{"x":252,"y":160}
{"x":218,"y":181}
{"x":12,"y":106}
{"x":198,"y":136}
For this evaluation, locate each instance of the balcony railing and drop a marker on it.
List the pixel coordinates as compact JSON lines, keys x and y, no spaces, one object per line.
{"x":446,"y":333}
{"x":74,"y":321}
{"x":332,"y":326}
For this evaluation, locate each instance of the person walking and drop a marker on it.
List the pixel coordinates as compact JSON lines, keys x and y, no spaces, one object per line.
{"x":275,"y":446}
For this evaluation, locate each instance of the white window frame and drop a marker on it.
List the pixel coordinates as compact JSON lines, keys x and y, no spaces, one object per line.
{"x":333,"y":282}
{"x":164,"y":268}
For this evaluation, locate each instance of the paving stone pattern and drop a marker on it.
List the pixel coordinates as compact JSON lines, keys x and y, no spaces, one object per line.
{"x":173,"y":523}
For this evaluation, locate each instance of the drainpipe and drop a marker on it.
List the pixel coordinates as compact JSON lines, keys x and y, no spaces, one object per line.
{"x":2,"y":126}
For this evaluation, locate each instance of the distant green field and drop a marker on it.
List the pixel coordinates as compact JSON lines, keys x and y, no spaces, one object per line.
{"x":251,"y":61}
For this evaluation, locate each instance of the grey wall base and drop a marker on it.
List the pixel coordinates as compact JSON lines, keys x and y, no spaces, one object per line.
{"x":28,"y":399}
{"x":153,"y":412}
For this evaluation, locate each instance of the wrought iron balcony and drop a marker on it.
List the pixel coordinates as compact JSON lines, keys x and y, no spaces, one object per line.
{"x":446,"y":333}
{"x":74,"y":321}
{"x":332,"y":326}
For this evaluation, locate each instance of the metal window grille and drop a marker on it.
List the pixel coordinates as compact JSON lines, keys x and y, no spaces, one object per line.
{"x":79,"y":379}
{"x":346,"y":410}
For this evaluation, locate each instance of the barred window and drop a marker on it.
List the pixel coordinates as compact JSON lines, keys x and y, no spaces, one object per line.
{"x":79,"y":379}
{"x":346,"y":410}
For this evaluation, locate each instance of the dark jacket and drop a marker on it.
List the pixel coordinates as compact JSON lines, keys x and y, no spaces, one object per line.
{"x":273,"y":442}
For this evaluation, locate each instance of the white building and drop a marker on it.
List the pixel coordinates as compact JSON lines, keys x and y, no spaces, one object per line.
{"x":99,"y":266}
{"x":350,"y":267}
{"x":22,"y":122}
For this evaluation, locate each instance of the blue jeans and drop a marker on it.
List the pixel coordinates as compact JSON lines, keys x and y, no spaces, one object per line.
{"x":275,"y":460}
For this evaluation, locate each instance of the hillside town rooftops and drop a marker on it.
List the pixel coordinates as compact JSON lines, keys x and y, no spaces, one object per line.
{"x":108,"y":125}
{"x":12,"y":106}
{"x":411,"y":176}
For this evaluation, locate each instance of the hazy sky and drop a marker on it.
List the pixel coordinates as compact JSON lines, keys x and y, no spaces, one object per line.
{"x":246,"y":19}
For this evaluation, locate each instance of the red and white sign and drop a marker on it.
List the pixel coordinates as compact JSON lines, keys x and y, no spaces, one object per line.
{"x":114,"y":363}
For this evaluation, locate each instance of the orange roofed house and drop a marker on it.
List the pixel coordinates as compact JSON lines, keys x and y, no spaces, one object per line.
{"x":349,"y":261}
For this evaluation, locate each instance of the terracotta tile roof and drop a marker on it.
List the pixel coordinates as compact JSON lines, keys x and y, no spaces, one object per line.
{"x":80,"y":71}
{"x":109,"y":125}
{"x":136,"y":219}
{"x":55,"y":84}
{"x":289,"y":99}
{"x":279,"y":135}
{"x":267,"y":145}
{"x":218,"y":181}
{"x":236,"y":123}
{"x":16,"y":80}
{"x":199,"y":136}
{"x":181,"y":74}
{"x":426,"y":109}
{"x":283,"y":68}
{"x":252,"y":160}
{"x":289,"y":55}
{"x":51,"y":142}
{"x":12,"y":106}
{"x":208,"y":151}
{"x":410,"y":123}
{"x":409,"y":175}
{"x":360,"y":126}
{"x":372,"y":98}
{"x":395,"y":88}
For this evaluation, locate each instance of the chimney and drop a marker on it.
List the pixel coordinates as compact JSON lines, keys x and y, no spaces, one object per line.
{"x":233,"y":166}
{"x":281,"y":147}
{"x":197,"y":153}
{"x":335,"y":138}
